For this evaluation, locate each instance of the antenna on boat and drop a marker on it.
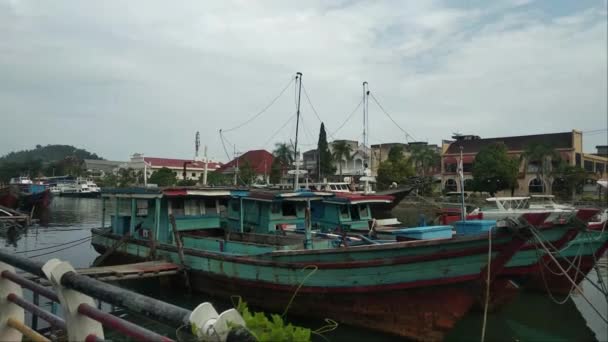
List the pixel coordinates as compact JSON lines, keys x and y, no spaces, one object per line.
{"x":297,"y":162}
{"x":366,"y":166}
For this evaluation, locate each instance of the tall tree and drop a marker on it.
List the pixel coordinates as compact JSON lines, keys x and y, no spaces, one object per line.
{"x":494,"y":170}
{"x":572,"y":177}
{"x":127,"y":177}
{"x":163,"y":177}
{"x":247,"y":175}
{"x":395,"y":169}
{"x":215,"y":178}
{"x":342,"y":152}
{"x":284,"y":152}
{"x":424,"y":158}
{"x":276,"y":170}
{"x":324,"y":156}
{"x":543,"y":156}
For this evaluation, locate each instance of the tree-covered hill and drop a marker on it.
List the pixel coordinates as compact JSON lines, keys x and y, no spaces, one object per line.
{"x":47,"y":154}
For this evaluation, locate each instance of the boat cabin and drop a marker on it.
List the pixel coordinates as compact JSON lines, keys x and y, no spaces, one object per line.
{"x":345,"y":211}
{"x":146,"y":212}
{"x":265,"y":212}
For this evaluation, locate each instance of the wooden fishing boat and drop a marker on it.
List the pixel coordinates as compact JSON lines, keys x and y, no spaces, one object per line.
{"x":266,"y":249}
{"x":22,"y":193}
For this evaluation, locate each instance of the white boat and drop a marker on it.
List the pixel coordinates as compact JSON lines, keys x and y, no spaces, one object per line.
{"x":514,"y":207}
{"x":80,"y":188}
{"x":547,"y":202}
{"x":20,"y":181}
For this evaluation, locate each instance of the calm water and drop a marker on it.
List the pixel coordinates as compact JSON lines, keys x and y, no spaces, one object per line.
{"x":532,"y":317}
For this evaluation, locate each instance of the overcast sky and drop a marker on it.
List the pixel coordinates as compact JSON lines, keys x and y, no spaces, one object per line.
{"x":118,"y":77}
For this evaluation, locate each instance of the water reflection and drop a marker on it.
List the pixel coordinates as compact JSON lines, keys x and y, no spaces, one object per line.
{"x":533,"y":316}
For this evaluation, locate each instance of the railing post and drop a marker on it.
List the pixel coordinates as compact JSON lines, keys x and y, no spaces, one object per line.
{"x":9,"y":310}
{"x":78,"y":326}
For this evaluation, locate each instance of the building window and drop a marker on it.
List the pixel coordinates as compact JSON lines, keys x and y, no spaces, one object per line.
{"x":535,"y":186}
{"x":578,"y":159}
{"x":451,"y":167}
{"x":588,"y":165}
{"x":599,"y":168}
{"x":467,"y":167}
{"x":450,"y":185}
{"x":193,"y":174}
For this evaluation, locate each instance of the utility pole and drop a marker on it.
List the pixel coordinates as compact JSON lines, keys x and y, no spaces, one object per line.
{"x":296,"y":186}
{"x":236,"y":170}
{"x":206,"y":167}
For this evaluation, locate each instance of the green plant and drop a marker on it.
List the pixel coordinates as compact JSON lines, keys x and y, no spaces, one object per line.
{"x":273,"y":329}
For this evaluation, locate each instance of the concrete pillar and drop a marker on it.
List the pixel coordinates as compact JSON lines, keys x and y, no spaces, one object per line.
{"x":78,"y":326}
{"x":9,"y":309}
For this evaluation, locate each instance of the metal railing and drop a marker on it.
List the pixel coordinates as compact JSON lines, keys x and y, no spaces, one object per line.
{"x":82,"y":321}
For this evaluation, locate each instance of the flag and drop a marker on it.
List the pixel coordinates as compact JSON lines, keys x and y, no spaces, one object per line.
{"x":460,"y":169}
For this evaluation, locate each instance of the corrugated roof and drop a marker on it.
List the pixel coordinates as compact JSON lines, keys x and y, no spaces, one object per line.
{"x":260,"y":161}
{"x":516,"y":143}
{"x":179,"y":163}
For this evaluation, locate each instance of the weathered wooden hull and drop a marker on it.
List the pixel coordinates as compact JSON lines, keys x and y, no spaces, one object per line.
{"x":11,"y":197}
{"x":415,"y":290}
{"x":577,"y":258}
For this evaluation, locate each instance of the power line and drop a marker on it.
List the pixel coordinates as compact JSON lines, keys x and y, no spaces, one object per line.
{"x":347,"y":118}
{"x":263,"y":110}
{"x":390,"y":117}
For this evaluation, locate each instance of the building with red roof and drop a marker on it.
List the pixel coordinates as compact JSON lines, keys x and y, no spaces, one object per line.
{"x":194,"y":169}
{"x":260,"y":161}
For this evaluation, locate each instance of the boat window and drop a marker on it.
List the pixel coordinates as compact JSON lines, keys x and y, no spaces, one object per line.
{"x":354,"y":213}
{"x":177,"y":206}
{"x":192,"y":207}
{"x":275,"y":207}
{"x":234,"y":205}
{"x":363,"y":210}
{"x":288,"y":208}
{"x":344,"y":212}
{"x":193,"y":174}
{"x":142,"y":207}
{"x":210,"y":206}
{"x":333,"y":187}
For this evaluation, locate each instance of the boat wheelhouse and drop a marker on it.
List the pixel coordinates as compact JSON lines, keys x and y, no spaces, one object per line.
{"x":347,"y":212}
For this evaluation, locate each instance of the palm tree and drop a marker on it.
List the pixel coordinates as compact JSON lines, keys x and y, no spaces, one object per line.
{"x":341,"y":151}
{"x":424,"y":158}
{"x":544,"y":155}
{"x":284,"y":152}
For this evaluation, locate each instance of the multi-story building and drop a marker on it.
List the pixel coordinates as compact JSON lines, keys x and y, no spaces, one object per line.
{"x":194,"y":168}
{"x":567,"y":145}
{"x":99,"y":168}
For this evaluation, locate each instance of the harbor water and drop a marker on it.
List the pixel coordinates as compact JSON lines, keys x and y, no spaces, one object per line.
{"x":531,"y":317}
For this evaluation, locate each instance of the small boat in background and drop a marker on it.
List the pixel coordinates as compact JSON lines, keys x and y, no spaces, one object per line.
{"x":81,"y":187}
{"x":24,"y":194}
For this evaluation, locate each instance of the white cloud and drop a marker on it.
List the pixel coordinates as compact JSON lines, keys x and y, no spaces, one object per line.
{"x":119,"y":77}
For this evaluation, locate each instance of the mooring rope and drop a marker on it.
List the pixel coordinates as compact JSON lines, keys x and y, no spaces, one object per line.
{"x":53,"y":246}
{"x":487,"y":299}
{"x":568,"y":276}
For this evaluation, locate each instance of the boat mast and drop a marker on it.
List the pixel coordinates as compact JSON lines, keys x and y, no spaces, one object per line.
{"x":367,"y":165}
{"x":296,"y":186}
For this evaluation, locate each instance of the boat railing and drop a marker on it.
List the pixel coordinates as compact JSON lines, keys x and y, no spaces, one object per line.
{"x":81,"y":299}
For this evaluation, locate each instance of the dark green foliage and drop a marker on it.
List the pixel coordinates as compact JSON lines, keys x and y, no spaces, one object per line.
{"x":108,"y":181}
{"x":424,"y":158}
{"x":273,"y":329}
{"x":324,"y":156}
{"x":494,"y":170}
{"x":187,"y":182}
{"x":50,"y":160}
{"x":342,"y":151}
{"x":284,"y":152}
{"x":163,"y":177}
{"x":571,"y":177}
{"x":396,"y":169}
{"x":247,"y":174}
{"x":215,"y":178}
{"x":276,"y":171}
{"x":48,"y":153}
{"x":127,"y":178}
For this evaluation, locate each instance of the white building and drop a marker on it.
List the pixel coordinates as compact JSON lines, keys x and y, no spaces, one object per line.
{"x":194,"y":169}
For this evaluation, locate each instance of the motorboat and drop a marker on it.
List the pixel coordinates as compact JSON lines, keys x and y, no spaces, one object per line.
{"x":513,"y":207}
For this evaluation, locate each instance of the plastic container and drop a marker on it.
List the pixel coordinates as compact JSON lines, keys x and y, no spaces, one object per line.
{"x":425,"y":233}
{"x":474,"y":226}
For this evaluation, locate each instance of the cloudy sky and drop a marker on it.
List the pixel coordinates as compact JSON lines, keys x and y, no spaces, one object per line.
{"x":119,"y":77}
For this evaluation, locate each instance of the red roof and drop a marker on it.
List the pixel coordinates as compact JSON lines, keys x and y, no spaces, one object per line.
{"x":179,"y":163}
{"x":260,"y":161}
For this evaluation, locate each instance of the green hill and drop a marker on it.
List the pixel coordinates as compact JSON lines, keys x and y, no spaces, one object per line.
{"x":49,"y":160}
{"x":47,"y":154}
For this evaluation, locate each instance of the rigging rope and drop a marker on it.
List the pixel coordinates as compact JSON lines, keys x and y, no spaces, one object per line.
{"x":279,"y":130}
{"x":58,"y":250}
{"x":54,"y":246}
{"x":263,"y":110}
{"x":390,"y":117}
{"x":350,"y":116}
{"x":313,"y":108}
{"x":539,"y":239}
